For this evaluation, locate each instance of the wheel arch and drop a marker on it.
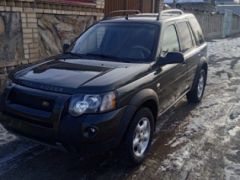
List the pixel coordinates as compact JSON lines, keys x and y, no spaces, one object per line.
{"x":144,"y":98}
{"x":203,"y":64}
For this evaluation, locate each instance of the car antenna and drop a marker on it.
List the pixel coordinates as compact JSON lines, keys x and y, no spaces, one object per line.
{"x":159,"y":15}
{"x":126,"y":17}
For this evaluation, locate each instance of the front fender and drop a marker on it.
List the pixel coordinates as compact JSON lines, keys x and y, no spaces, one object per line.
{"x":143,"y":96}
{"x":134,"y":104}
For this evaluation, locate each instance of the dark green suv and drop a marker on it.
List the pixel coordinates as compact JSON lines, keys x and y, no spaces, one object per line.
{"x":109,"y":87}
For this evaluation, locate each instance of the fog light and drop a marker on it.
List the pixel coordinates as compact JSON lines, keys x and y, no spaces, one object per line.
{"x":90,"y":132}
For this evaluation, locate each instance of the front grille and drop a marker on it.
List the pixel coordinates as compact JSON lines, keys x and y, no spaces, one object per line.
{"x":29,"y":120}
{"x":31,"y":101}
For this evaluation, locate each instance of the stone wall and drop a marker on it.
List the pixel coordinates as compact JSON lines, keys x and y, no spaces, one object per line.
{"x":34,"y":29}
{"x":11,"y":48}
{"x":55,"y":30}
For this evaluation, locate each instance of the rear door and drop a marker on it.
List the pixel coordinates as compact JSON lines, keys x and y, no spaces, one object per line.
{"x":172,"y":77}
{"x":189,"y":48}
{"x":200,"y":49}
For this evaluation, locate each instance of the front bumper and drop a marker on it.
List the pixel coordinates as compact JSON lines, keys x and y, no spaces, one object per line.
{"x":59,"y":127}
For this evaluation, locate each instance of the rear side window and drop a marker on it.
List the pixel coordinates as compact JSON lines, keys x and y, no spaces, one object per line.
{"x":170,"y":40}
{"x":198,"y":34}
{"x":185,"y":36}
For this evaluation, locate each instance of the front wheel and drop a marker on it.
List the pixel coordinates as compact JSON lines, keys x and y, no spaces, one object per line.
{"x":196,"y":94}
{"x":139,"y":137}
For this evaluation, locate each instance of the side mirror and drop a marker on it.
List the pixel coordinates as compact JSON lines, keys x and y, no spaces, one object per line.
{"x":172,"y":58}
{"x":65,"y":47}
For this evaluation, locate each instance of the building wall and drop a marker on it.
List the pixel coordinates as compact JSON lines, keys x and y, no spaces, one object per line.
{"x":32,"y":29}
{"x":227,"y":1}
{"x":233,"y":8}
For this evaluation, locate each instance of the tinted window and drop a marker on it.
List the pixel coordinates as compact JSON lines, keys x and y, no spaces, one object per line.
{"x":170,"y":40}
{"x":185,"y":36}
{"x":121,"y":41}
{"x":197,"y":31}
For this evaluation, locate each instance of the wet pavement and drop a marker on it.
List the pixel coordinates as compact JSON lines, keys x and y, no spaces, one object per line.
{"x":191,"y":142}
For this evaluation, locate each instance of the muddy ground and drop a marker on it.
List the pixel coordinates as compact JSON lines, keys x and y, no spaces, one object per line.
{"x":194,"y":142}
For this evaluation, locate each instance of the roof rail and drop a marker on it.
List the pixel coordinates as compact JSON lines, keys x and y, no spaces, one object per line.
{"x":139,"y":14}
{"x":126,"y":12}
{"x":172,"y":11}
{"x":169,"y":11}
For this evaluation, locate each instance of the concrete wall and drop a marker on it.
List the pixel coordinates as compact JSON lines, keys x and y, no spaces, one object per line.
{"x":31,"y":30}
{"x":214,"y":25}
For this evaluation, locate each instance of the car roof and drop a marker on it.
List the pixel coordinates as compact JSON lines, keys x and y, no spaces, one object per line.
{"x":154,"y":18}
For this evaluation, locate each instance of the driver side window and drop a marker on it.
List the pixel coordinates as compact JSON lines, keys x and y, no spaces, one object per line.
{"x":170,"y":41}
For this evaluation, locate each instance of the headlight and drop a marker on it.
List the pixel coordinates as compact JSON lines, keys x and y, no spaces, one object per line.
{"x":92,"y":103}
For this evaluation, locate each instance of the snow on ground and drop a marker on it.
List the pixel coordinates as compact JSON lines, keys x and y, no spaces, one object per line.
{"x":195,"y":142}
{"x":208,"y":143}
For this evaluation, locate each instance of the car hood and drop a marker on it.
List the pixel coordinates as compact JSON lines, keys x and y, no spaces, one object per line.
{"x":79,"y":75}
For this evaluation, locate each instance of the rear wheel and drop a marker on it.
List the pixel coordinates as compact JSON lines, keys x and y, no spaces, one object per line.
{"x":139,"y":137}
{"x":196,"y":94}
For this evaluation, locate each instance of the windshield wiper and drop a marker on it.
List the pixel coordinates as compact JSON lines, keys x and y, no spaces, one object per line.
{"x":108,"y":57}
{"x":74,"y":54}
{"x":103,"y":56}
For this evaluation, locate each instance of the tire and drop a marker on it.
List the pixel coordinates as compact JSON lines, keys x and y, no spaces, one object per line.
{"x":196,"y":94}
{"x":138,"y":139}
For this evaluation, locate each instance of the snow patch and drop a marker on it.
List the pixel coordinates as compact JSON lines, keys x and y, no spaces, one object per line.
{"x":234,"y":131}
{"x":232,"y":170}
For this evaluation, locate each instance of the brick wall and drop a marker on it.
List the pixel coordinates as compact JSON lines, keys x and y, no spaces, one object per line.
{"x":28,"y":30}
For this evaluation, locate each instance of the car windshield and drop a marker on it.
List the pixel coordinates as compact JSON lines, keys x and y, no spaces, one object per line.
{"x":130,"y":42}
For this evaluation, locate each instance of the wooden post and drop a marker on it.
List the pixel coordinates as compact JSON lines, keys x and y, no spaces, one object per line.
{"x":159,"y":4}
{"x":153,"y":5}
